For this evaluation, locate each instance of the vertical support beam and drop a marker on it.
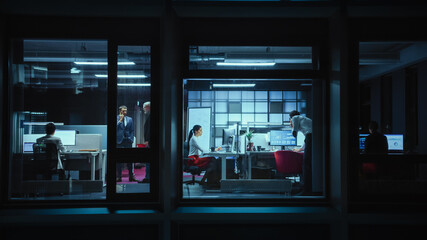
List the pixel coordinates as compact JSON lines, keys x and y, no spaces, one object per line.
{"x":170,"y":78}
{"x":339,"y":104}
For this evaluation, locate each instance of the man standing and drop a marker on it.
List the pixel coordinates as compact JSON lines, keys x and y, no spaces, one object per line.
{"x":125,"y":136}
{"x":147,"y":108}
{"x":304,"y":125}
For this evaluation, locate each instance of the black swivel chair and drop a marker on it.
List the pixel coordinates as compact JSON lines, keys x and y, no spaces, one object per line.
{"x":194,"y":170}
{"x":46,"y":160}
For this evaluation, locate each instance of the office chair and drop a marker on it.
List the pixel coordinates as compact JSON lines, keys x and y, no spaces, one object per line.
{"x":289,"y":163}
{"x":46,"y":160}
{"x":194,"y":170}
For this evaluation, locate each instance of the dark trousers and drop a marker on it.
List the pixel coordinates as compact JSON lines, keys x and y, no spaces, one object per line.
{"x":119,"y":166}
{"x":307,"y":159}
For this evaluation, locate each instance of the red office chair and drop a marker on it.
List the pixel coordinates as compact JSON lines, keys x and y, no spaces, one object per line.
{"x":289,"y":163}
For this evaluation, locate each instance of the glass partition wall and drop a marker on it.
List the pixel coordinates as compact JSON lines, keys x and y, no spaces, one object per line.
{"x":252,"y":138}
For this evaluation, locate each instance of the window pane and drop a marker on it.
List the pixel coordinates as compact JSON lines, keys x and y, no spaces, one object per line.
{"x":248,"y":95}
{"x":248,"y":118}
{"x":235,"y":107}
{"x":276,"y":118}
{"x":261,"y":107}
{"x":133,"y":119}
{"x":193,"y":95}
{"x":302,"y":107}
{"x":261,"y":95}
{"x":235,"y":95}
{"x":193,"y":104}
{"x":274,"y":95}
{"x":265,"y":113}
{"x":221,"y":118}
{"x":290,"y":106}
{"x":221,"y":95}
{"x":261,"y":118}
{"x":248,"y":106}
{"x":250,"y":57}
{"x":392,"y":106}
{"x":207,"y":104}
{"x":221,"y":107}
{"x":276,"y":107}
{"x":207,"y":95}
{"x":292,"y":95}
{"x":60,"y":95}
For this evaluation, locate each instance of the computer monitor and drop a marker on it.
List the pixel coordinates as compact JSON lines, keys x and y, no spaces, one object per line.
{"x":68,"y":137}
{"x":228,"y":136}
{"x":282,"y":138}
{"x":362,"y":139}
{"x":28,"y":146}
{"x":395,"y":142}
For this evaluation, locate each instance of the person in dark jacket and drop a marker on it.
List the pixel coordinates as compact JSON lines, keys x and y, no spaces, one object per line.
{"x":147,"y":108}
{"x":376,"y":142}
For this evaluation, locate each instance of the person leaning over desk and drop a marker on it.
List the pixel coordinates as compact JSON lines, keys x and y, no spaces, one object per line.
{"x":50,"y":129}
{"x":304,"y":124}
{"x":210,"y":164}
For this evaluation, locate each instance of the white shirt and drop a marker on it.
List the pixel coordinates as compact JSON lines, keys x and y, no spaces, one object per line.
{"x":302,"y":124}
{"x":195,"y":148}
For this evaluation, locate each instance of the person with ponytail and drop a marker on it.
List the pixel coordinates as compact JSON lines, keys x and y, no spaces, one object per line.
{"x":210,"y":164}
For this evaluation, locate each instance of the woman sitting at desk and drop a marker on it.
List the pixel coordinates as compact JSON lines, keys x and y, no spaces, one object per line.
{"x":210,"y":164}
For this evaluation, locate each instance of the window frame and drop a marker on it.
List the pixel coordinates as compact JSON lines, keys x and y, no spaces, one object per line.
{"x":366,"y":30}
{"x":210,"y":35}
{"x":115,"y":31}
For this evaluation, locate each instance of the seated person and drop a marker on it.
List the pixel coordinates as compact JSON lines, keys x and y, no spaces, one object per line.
{"x":50,"y":129}
{"x":376,"y":142}
{"x":210,"y":164}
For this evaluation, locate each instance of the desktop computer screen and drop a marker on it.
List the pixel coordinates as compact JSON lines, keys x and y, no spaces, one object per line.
{"x":395,"y":142}
{"x":362,"y":138}
{"x":282,"y":138}
{"x":28,"y":146}
{"x":68,"y":137}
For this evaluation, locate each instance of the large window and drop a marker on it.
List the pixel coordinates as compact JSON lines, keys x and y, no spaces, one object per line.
{"x":58,"y":120}
{"x":133,"y":117}
{"x":59,"y":117}
{"x":238,"y":134}
{"x":392,"y":144}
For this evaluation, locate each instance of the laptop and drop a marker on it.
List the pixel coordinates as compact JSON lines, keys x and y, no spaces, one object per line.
{"x":28,"y":147}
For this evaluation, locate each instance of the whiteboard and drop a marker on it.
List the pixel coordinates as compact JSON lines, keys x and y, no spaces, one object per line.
{"x":200,"y":116}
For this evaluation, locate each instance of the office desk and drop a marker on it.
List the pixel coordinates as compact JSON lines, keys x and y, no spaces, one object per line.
{"x":91,"y":157}
{"x":223,"y":156}
{"x":250,"y":154}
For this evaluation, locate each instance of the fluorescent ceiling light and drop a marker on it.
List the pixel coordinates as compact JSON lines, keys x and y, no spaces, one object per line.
{"x":134,"y":84}
{"x":40,"y":68}
{"x":233,"y":85}
{"x":305,"y":84}
{"x":246,"y":64}
{"x":103,"y":63}
{"x":122,"y":76}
